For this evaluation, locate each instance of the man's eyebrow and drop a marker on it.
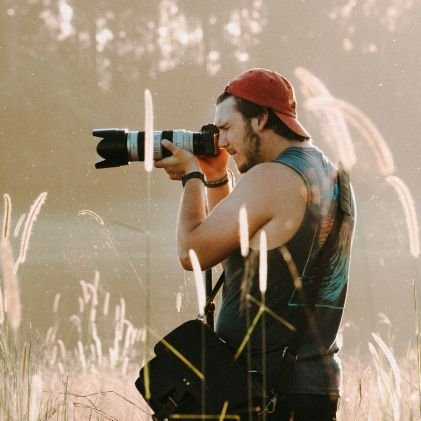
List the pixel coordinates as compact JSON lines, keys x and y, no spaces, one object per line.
{"x":222,"y":125}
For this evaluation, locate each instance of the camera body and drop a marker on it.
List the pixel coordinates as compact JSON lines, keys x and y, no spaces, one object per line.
{"x":120,"y":146}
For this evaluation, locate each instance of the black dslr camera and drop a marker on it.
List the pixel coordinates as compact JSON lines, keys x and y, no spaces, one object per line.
{"x":121,"y":146}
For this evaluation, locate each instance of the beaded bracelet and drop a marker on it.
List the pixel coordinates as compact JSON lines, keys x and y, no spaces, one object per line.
{"x":217,"y":183}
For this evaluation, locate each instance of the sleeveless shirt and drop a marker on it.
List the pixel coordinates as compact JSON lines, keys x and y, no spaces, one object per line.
{"x":318,"y":368}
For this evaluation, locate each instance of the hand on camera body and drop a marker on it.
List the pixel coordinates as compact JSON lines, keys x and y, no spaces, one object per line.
{"x":214,"y":167}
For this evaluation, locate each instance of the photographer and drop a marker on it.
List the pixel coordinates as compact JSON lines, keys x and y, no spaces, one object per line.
{"x":289,"y":190}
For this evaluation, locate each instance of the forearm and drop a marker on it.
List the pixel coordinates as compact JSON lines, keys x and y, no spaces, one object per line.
{"x":215,"y":195}
{"x":191,"y":214}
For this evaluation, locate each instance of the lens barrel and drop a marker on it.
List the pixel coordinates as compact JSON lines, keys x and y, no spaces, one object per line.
{"x":120,"y":146}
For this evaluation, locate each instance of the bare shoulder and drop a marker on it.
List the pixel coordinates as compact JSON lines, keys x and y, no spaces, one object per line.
{"x":274,"y":197}
{"x":280,"y":194}
{"x":273,"y":177}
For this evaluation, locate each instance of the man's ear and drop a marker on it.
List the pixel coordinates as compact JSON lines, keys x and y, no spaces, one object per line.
{"x":259,"y":122}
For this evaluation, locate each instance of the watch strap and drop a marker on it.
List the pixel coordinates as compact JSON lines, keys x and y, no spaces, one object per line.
{"x":190,"y":175}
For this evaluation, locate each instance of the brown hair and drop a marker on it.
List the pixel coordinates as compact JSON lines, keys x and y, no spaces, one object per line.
{"x":250,"y":110}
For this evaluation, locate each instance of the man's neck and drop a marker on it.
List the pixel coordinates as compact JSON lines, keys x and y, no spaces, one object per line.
{"x":273,"y":145}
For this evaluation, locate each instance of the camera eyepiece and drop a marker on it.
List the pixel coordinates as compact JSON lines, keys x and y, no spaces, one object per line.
{"x":120,"y":146}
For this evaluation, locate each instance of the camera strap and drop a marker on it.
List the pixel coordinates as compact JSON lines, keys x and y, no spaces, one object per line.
{"x":210,"y":306}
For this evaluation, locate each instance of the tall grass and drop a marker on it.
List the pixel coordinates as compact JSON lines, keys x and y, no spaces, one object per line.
{"x":84,"y":366}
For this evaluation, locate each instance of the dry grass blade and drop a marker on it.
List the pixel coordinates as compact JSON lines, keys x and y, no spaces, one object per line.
{"x":92,"y":214}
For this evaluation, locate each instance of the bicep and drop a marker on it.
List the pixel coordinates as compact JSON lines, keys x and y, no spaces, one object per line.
{"x":265,"y":194}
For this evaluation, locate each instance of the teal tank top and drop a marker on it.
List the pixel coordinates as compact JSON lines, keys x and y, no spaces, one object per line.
{"x":318,"y":370}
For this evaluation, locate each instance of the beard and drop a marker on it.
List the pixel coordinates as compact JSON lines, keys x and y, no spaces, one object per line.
{"x":251,"y":145}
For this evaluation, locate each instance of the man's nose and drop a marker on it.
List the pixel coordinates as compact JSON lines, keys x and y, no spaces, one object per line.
{"x":222,"y":140}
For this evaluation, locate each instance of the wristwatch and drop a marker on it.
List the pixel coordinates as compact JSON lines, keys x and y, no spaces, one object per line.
{"x":193,"y":174}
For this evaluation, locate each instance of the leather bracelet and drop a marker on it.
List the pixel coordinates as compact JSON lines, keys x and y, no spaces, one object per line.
{"x":217,"y":183}
{"x":190,"y":175}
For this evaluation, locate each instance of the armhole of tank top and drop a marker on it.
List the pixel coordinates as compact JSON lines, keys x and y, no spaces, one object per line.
{"x":309,"y":202}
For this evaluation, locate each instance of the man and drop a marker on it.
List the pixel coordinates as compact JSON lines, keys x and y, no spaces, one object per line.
{"x":290,"y":191}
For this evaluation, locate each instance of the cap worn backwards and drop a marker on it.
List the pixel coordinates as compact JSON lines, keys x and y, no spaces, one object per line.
{"x":271,"y":90}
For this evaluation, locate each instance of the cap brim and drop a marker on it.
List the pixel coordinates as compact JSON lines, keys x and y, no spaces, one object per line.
{"x":293,"y":124}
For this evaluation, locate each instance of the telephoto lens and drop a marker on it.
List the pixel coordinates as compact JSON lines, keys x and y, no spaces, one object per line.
{"x":120,"y":146}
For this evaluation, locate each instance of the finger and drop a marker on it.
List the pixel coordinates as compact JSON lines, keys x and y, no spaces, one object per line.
{"x":169,"y":145}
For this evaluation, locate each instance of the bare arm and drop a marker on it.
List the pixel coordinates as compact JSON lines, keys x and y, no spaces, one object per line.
{"x":273,"y":194}
{"x":215,"y":168}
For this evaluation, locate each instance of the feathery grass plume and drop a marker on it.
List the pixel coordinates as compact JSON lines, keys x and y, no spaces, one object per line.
{"x":392,"y":362}
{"x":12,"y":303}
{"x":98,"y":348}
{"x":85,"y":291}
{"x":117,"y":313}
{"x":408,"y":205}
{"x":62,"y":349}
{"x":371,"y":133}
{"x":1,"y":307}
{"x":179,"y":301}
{"x":148,"y":131}
{"x":75,"y":320}
{"x":27,"y":231}
{"x":53,"y":355}
{"x":388,"y":378}
{"x":7,"y":216}
{"x":263,"y":262}
{"x":366,"y":128}
{"x":128,"y":335}
{"x":106,"y":304}
{"x":36,"y":397}
{"x":92,"y":315}
{"x":93,"y":293}
{"x":95,"y":282}
{"x":82,"y":357}
{"x":124,"y":366}
{"x":92,"y":214}
{"x":56,"y":303}
{"x":332,"y":121}
{"x":200,"y":285}
{"x":19,"y":225}
{"x":244,"y":231}
{"x":417,"y":342}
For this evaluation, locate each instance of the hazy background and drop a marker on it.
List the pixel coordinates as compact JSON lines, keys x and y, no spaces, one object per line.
{"x":69,"y":66}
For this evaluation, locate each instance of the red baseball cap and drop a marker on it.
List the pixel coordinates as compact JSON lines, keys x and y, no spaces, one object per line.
{"x":271,"y":90}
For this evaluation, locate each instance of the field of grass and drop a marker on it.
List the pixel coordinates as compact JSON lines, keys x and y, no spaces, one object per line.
{"x":41,"y":380}
{"x":91,"y":377}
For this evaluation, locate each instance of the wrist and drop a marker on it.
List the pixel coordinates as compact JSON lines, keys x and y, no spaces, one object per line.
{"x":192,"y":174}
{"x":218,"y":182}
